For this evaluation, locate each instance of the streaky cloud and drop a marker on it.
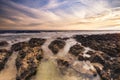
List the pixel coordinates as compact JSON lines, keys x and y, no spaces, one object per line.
{"x":60,"y":15}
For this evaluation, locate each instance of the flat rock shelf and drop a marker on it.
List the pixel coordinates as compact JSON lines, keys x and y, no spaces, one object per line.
{"x":60,"y":56}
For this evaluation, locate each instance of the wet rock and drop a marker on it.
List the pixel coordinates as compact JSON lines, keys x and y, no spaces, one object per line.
{"x":3,"y":43}
{"x":110,"y":69}
{"x":104,"y":74}
{"x":22,"y":54}
{"x":97,"y":59}
{"x":19,"y":46}
{"x":76,"y":49}
{"x":63,"y":66}
{"x":117,"y":73}
{"x":106,"y":48}
{"x":27,"y":62}
{"x":83,"y":58}
{"x":107,"y":67}
{"x":90,"y":53}
{"x":62,"y":62}
{"x":115,"y":70}
{"x":108,"y":43}
{"x":56,"y":45}
{"x":36,"y":42}
{"x":4,"y":56}
{"x":65,"y":38}
{"x":101,"y":58}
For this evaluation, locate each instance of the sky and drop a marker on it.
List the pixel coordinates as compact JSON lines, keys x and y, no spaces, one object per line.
{"x":59,"y":14}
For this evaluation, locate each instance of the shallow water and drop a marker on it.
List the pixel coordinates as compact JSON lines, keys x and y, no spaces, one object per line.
{"x":47,"y":70}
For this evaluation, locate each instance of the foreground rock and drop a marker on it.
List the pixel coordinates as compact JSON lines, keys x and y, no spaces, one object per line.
{"x":36,"y":42}
{"x":27,"y":62}
{"x":33,"y":42}
{"x":56,"y":45}
{"x":19,"y":46}
{"x":105,"y":66}
{"x":4,"y":56}
{"x":4,"y":43}
{"x":108,"y":43}
{"x":76,"y":49}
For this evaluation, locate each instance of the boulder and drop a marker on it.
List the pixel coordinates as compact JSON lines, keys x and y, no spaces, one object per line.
{"x":65,"y":38}
{"x":83,"y":58}
{"x":19,"y":46}
{"x":104,"y":74}
{"x":56,"y":45}
{"x":97,"y":59}
{"x":76,"y":49}
{"x":62,"y":62}
{"x":63,"y":66}
{"x":33,"y":42}
{"x":90,"y":53}
{"x":3,"y":43}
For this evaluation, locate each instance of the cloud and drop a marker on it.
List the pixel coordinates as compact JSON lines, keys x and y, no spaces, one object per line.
{"x":115,"y":3}
{"x":60,"y":15}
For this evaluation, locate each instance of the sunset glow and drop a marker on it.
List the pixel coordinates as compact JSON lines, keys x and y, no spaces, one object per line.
{"x":60,"y":14}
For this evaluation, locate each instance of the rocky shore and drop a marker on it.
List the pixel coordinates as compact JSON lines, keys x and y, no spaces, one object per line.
{"x":109,"y":55}
{"x":91,"y":57}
